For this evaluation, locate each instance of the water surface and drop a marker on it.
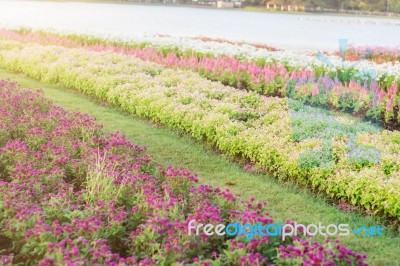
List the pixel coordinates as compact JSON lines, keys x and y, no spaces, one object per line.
{"x":290,"y":31}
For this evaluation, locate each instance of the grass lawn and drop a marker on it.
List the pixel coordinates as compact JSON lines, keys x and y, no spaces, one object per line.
{"x":286,"y":201}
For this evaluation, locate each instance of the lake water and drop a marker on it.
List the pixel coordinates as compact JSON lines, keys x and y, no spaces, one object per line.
{"x":290,"y":31}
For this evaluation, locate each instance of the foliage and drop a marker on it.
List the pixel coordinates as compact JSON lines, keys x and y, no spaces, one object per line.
{"x":51,"y":215}
{"x":345,"y":89}
{"x":239,"y":123}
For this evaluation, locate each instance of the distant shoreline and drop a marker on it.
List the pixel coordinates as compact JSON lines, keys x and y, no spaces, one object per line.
{"x":248,"y":9}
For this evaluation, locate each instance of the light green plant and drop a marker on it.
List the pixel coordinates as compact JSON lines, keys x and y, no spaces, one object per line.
{"x":100,"y":182}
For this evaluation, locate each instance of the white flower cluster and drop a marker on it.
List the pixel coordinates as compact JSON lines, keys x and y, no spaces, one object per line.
{"x":303,"y":59}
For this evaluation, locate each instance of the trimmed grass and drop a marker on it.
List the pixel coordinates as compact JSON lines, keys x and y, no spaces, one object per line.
{"x":286,"y":201}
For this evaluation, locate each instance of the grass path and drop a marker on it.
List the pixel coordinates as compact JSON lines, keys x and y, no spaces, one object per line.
{"x":286,"y":201}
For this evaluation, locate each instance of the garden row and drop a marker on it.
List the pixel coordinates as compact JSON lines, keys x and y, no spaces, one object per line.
{"x":71,"y":195}
{"x":274,"y":133}
{"x":375,"y":54}
{"x":205,"y":46}
{"x":340,"y":89}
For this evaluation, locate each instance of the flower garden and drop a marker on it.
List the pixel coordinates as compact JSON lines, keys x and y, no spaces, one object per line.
{"x":348,"y":88}
{"x":379,"y":55}
{"x":74,"y":195}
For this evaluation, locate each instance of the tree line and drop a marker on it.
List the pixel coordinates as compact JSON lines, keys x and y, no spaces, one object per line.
{"x":362,"y":5}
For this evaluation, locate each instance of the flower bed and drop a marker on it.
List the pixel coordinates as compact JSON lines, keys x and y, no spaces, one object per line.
{"x":69,"y":194}
{"x":341,"y":88}
{"x":375,"y":54}
{"x":239,"y":123}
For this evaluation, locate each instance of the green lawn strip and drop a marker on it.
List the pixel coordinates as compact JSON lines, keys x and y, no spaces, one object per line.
{"x":286,"y":201}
